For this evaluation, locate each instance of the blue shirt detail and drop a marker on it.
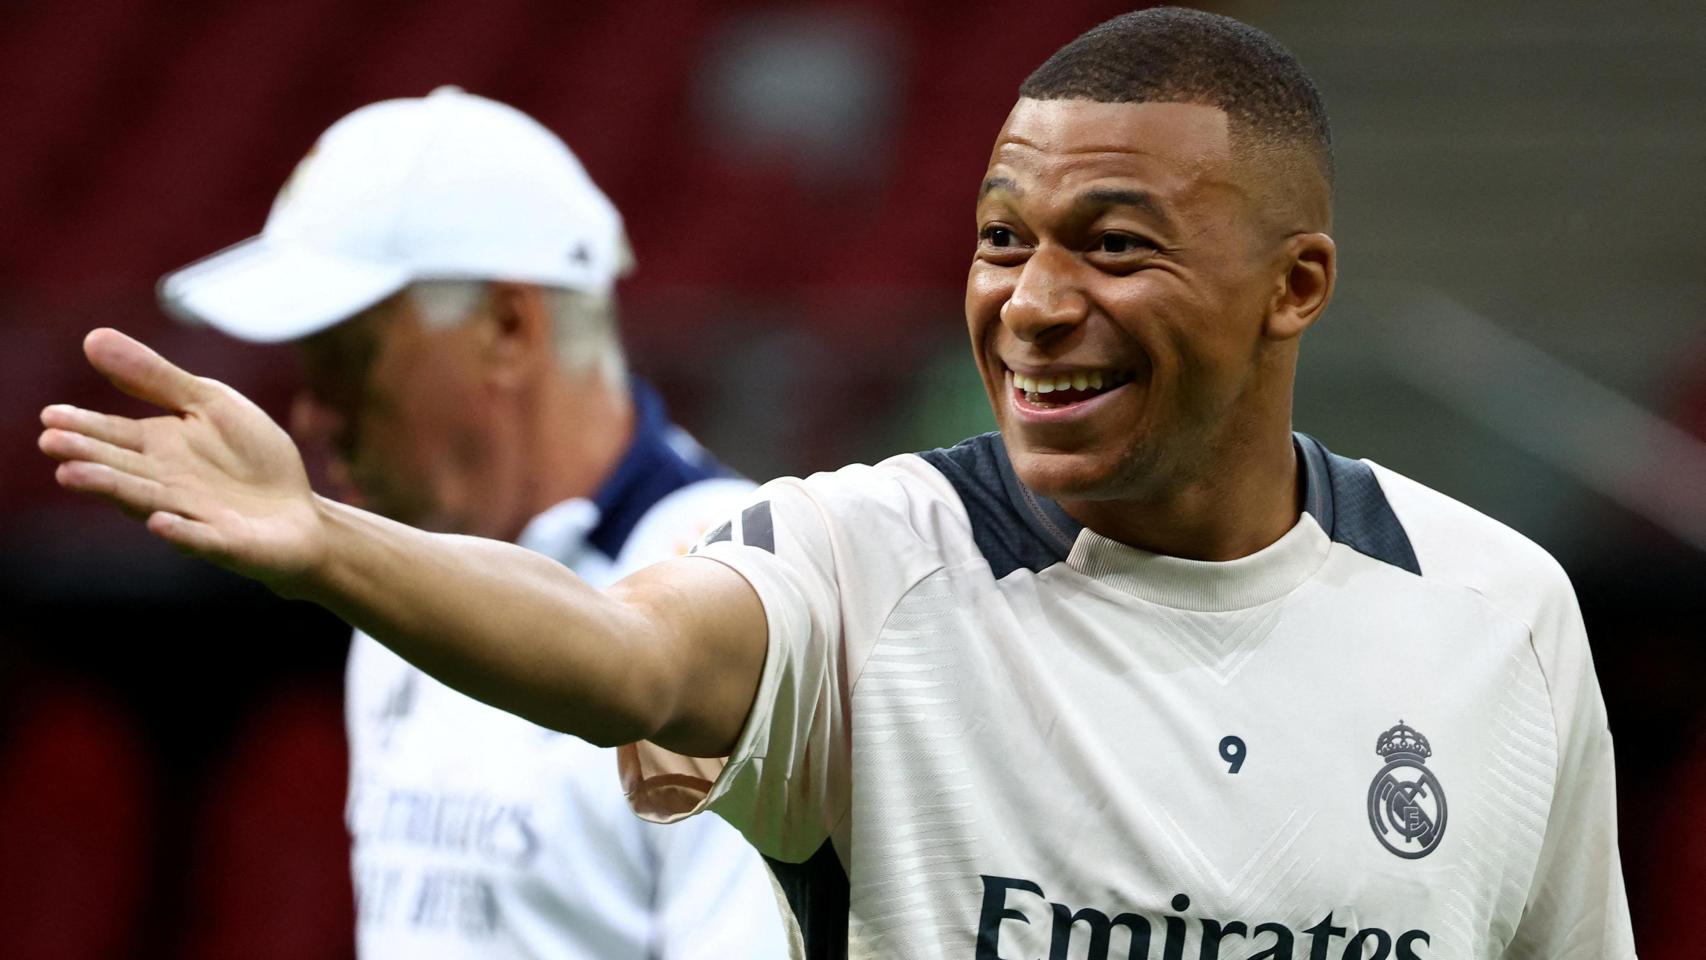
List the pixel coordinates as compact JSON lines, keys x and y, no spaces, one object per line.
{"x":1015,"y":528}
{"x":654,"y":466}
{"x":1344,"y":497}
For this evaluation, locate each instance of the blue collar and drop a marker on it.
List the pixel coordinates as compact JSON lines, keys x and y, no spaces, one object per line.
{"x":1015,"y":528}
{"x":660,"y":460}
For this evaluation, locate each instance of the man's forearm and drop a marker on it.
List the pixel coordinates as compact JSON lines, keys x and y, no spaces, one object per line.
{"x":495,"y":621}
{"x":677,"y":652}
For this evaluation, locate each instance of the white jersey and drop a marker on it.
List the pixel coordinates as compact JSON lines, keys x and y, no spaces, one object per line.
{"x":477,"y":833}
{"x":986,"y":732}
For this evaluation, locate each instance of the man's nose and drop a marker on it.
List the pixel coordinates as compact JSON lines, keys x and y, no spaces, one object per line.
{"x":1046,"y":301}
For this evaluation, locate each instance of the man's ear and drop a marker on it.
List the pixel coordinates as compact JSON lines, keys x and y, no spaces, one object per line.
{"x":515,"y":335}
{"x":1301,"y":292}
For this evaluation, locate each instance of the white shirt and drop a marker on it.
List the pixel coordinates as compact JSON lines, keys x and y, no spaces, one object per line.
{"x":992,"y":734}
{"x":478,"y":834}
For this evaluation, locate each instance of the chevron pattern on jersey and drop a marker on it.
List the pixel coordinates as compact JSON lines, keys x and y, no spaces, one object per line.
{"x":908,"y":701}
{"x":1220,"y":642}
{"x":1520,"y":769}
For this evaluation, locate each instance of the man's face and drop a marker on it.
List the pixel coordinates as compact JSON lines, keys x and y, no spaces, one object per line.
{"x":1118,"y":255}
{"x":398,"y":408}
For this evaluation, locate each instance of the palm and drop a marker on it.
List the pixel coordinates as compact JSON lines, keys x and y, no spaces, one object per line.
{"x":214,"y":476}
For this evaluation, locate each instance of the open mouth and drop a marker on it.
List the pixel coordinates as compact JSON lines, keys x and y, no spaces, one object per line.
{"x":1066,"y":389}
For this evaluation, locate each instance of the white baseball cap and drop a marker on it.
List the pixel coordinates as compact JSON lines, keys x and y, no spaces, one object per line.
{"x":449,"y":186}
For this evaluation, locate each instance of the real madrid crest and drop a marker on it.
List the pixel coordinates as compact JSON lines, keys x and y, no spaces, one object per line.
{"x":1406,"y":805}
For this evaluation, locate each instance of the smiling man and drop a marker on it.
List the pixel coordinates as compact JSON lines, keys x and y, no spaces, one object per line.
{"x":1144,"y":675}
{"x":1144,"y":272}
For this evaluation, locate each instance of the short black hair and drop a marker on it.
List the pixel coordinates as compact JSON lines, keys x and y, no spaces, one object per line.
{"x":1175,"y":55}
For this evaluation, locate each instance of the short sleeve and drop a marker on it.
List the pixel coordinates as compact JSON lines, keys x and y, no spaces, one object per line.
{"x":829,"y":557}
{"x":676,"y":523}
{"x":1576,"y":907}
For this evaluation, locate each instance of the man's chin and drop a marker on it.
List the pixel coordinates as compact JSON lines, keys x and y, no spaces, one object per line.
{"x":1066,"y":475}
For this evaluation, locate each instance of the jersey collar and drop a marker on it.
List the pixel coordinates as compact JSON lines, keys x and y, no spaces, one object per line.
{"x":1267,"y":574}
{"x":1017,"y":529}
{"x":660,"y":459}
{"x":1342,"y":503}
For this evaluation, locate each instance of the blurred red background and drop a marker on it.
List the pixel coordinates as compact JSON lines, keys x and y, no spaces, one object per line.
{"x":797,"y":182}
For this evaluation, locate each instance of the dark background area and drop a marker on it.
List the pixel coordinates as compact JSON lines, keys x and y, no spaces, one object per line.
{"x":1519,"y":324}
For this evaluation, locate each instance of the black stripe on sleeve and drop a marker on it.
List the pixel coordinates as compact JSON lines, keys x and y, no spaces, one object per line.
{"x":755,"y":527}
{"x":720,"y":534}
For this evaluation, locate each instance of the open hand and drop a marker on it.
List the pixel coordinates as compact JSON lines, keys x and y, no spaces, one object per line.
{"x":214,"y":476}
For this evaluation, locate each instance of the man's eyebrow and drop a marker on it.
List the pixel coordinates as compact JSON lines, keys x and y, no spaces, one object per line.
{"x":1117,"y":197}
{"x":998,"y":183}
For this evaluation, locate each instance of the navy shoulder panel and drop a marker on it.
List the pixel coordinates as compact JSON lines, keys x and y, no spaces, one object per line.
{"x":1014,"y":528}
{"x":1345,"y":498}
{"x":819,"y":897}
{"x":1017,"y":529}
{"x":659,"y":461}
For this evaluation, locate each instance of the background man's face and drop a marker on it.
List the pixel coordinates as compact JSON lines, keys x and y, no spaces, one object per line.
{"x":1115,"y":243}
{"x":398,"y":407}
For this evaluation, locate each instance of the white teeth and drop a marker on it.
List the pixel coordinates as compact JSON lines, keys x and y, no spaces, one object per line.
{"x":1081,"y":380}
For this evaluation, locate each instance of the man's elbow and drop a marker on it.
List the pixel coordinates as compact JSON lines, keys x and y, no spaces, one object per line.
{"x":631,"y":722}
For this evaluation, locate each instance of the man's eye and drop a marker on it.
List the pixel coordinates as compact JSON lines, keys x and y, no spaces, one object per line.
{"x":1122,"y":243}
{"x":998,"y":236}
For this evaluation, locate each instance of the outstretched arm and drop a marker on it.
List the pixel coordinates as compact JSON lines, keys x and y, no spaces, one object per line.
{"x":672,"y":654}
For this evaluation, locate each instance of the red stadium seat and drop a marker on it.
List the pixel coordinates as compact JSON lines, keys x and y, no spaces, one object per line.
{"x":270,"y":871}
{"x":77,"y":808}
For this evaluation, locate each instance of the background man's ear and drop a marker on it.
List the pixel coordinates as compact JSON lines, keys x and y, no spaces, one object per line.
{"x":515,"y":334}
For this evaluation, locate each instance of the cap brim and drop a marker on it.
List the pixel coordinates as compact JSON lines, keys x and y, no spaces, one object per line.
{"x":267,"y":292}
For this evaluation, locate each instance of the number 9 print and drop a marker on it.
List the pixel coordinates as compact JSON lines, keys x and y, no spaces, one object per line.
{"x":1232,"y":750}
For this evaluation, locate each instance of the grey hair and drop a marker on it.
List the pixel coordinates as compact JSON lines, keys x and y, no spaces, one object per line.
{"x":583,"y":324}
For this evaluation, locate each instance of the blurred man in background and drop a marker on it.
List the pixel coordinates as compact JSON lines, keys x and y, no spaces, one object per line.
{"x":446,"y":268}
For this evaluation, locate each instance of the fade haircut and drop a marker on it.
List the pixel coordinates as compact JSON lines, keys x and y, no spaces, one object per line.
{"x":1174,"y":55}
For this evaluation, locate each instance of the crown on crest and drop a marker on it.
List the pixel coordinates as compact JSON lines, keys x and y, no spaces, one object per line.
{"x":1403,"y":741}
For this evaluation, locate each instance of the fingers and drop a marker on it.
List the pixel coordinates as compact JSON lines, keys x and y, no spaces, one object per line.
{"x":141,"y":372}
{"x":137,"y":496}
{"x":118,"y":431}
{"x":186,"y":534}
{"x":64,"y":445}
